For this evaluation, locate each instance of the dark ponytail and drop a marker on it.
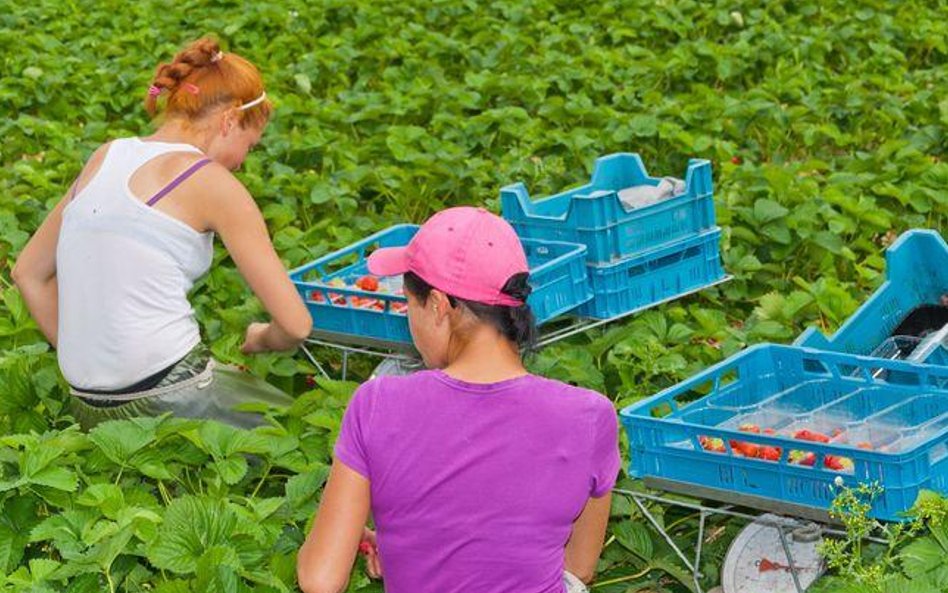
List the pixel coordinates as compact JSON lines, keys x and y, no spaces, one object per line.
{"x":517,"y":324}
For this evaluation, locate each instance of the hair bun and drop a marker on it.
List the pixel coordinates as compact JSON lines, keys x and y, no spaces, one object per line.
{"x":518,"y":287}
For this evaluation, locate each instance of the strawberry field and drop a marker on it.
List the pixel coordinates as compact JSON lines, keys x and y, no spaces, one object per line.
{"x":825,"y":122}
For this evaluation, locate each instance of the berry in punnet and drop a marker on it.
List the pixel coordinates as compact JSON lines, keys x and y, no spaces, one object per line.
{"x":809,"y":435}
{"x":370,"y":283}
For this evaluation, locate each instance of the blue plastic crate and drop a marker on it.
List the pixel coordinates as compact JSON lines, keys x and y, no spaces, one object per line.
{"x":557,"y":275}
{"x":916,"y":274}
{"x":904,"y":418}
{"x":594,"y":216}
{"x":653,"y":276}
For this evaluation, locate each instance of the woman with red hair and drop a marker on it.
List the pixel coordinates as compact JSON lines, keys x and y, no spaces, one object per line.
{"x":107,"y":274}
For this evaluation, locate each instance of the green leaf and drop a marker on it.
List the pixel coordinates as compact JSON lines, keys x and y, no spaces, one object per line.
{"x":12,"y":546}
{"x":231,"y":469}
{"x":223,"y":441}
{"x":107,"y":497}
{"x":636,"y":538}
{"x":265,"y":507}
{"x":674,"y":569}
{"x":42,"y":569}
{"x":766,"y":210}
{"x":191,"y":525}
{"x":303,"y":82}
{"x":643,"y":125}
{"x":217,"y":570}
{"x":119,"y":440}
{"x":922,"y":556}
{"x":301,"y":489}
{"x":108,"y":549}
{"x":59,"y":478}
{"x":829,"y":241}
{"x":769,"y":329}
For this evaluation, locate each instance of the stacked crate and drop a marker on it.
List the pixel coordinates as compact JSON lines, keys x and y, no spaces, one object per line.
{"x":635,"y":257}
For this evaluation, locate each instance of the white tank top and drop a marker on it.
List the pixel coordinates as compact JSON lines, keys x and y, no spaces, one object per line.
{"x":124,"y":271}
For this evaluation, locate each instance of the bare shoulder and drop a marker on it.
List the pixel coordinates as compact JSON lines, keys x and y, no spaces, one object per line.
{"x":92,"y":166}
{"x":224,"y":189}
{"x":98,"y":155}
{"x":224,"y":196}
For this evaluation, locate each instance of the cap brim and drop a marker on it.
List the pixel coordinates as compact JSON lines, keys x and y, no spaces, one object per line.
{"x":389,"y":261}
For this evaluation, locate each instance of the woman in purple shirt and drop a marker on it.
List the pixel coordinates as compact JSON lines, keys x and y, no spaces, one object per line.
{"x":480,"y":477}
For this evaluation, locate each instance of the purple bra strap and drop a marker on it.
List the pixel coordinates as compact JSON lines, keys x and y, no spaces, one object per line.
{"x":177,"y":181}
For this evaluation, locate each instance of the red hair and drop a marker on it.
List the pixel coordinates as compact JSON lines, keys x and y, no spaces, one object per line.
{"x":201,"y":78}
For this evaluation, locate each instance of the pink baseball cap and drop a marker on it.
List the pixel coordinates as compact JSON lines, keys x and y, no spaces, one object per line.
{"x":465,"y":252}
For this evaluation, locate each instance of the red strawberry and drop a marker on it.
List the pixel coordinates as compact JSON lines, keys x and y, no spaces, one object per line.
{"x":809,"y":435}
{"x":770,"y":453}
{"x":802,"y":458}
{"x":736,"y":160}
{"x":837,"y":463}
{"x":748,"y":427}
{"x":744,"y":448}
{"x":366,"y":303}
{"x":370,"y":283}
{"x":715,"y":445}
{"x":399,"y":308}
{"x":769,"y":431}
{"x":365,"y":548}
{"x":864,"y":445}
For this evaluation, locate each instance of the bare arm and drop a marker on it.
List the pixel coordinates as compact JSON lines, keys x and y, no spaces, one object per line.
{"x":35,"y":270}
{"x":585,"y":542}
{"x":35,"y":274}
{"x":326,"y":558}
{"x":232,"y":213}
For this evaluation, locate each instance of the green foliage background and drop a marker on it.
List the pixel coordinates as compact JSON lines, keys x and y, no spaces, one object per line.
{"x":825,"y":122}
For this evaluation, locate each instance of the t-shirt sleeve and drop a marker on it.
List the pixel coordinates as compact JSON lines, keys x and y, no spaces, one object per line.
{"x":351,"y":446}
{"x":605,"y":453}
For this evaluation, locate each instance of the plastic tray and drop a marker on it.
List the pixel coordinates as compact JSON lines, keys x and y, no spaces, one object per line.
{"x":904,"y":418}
{"x":916,"y":274}
{"x":557,"y":275}
{"x":594,"y":215}
{"x":653,"y":276}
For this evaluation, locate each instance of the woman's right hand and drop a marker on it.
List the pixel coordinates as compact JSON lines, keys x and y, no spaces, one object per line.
{"x":267,"y":337}
{"x":369,"y":548}
{"x":255,"y":340}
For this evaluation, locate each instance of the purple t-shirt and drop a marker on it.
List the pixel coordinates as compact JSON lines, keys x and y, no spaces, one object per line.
{"x":475,"y":487}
